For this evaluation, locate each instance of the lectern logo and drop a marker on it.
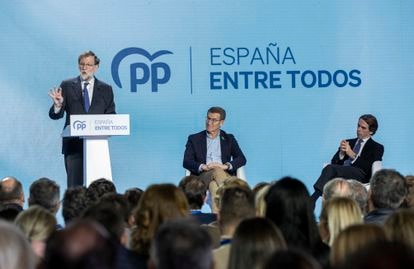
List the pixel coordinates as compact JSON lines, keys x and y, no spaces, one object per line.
{"x":156,"y":73}
{"x":79,"y":125}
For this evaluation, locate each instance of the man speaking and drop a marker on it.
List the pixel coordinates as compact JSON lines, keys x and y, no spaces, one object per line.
{"x":84,"y":94}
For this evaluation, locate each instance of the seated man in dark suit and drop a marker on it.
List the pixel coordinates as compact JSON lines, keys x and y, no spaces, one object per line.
{"x":354,"y":158}
{"x":213,"y":154}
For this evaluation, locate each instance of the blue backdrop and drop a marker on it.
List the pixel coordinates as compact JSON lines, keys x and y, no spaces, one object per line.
{"x":294,"y":76}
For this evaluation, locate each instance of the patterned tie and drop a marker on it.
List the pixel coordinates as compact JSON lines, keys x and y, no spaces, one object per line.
{"x":356,"y":149}
{"x":86,"y":96}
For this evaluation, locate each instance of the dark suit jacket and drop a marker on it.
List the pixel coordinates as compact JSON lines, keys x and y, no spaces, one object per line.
{"x":371,"y":152}
{"x":102,"y":103}
{"x":196,"y":152}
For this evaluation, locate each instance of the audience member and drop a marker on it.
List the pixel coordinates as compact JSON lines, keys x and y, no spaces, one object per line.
{"x":353,"y":239}
{"x":289,"y":207}
{"x":132,"y":195}
{"x":386,"y":193}
{"x":400,"y":227}
{"x":291,"y":258}
{"x":230,"y":182}
{"x":119,"y":203}
{"x":259,"y":186}
{"x":337,"y":187}
{"x":45,"y":193}
{"x":83,"y":244}
{"x":74,"y":203}
{"x":409,"y":199}
{"x":15,"y":250}
{"x":159,"y":203}
{"x":360,"y":194}
{"x":253,"y":242}
{"x":11,"y":198}
{"x":260,"y":202}
{"x":37,"y":224}
{"x":236,"y":204}
{"x":383,"y":255}
{"x":98,"y":188}
{"x":181,"y":244}
{"x":112,"y":219}
{"x":196,"y":191}
{"x":337,"y":214}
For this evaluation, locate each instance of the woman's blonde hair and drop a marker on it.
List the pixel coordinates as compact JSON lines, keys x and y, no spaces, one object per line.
{"x":400,"y":227}
{"x":36,"y":223}
{"x":339,"y":213}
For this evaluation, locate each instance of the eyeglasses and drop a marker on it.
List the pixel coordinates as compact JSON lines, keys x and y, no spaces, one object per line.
{"x":212,"y":120}
{"x":86,"y":65}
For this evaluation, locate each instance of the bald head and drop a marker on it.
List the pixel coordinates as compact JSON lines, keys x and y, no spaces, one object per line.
{"x":11,"y":191}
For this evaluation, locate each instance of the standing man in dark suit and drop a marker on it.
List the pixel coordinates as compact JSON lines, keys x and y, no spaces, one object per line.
{"x":83,"y":94}
{"x":213,"y":154}
{"x":354,"y":158}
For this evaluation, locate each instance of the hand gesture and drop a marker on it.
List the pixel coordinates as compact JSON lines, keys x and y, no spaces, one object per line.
{"x":56,"y":94}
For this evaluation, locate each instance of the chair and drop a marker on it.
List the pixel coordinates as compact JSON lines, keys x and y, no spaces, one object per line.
{"x":376,"y":166}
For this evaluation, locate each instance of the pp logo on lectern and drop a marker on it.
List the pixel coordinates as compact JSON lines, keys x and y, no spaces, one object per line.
{"x":79,"y":125}
{"x":141,"y":73}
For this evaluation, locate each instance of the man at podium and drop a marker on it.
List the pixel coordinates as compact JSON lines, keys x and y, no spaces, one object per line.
{"x":84,"y":94}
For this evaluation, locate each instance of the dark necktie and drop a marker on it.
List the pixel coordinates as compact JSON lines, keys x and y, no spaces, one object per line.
{"x":86,"y":96}
{"x":356,"y":149}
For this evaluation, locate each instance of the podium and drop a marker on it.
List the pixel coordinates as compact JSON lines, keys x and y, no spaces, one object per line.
{"x":95,"y":131}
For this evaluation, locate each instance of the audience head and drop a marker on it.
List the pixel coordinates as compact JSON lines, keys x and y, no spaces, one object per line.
{"x":37,"y":224}
{"x":11,"y":198}
{"x":110,"y":218}
{"x":98,"y":188}
{"x":260,"y":202}
{"x":382,"y":255}
{"x":159,"y":203}
{"x":74,"y":203}
{"x":119,"y":203}
{"x":259,"y":186}
{"x":236,"y":204}
{"x":409,"y":199}
{"x":291,"y":259}
{"x":360,"y":194}
{"x":15,"y":250}
{"x":132,"y":196}
{"x":254,"y":241}
{"x":289,"y":207}
{"x":83,"y":244}
{"x":45,"y":193}
{"x":400,"y":227}
{"x":11,"y":191}
{"x":354,"y":238}
{"x":387,"y":189}
{"x":195,"y":190}
{"x":337,"y":214}
{"x":229,"y":182}
{"x":181,"y":244}
{"x":337,"y":187}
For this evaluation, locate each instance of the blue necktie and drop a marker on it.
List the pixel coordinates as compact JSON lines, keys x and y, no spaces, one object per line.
{"x":356,"y":149}
{"x":86,"y":96}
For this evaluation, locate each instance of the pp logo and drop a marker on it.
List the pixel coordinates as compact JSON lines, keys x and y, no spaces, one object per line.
{"x":158,"y":72}
{"x":79,"y":125}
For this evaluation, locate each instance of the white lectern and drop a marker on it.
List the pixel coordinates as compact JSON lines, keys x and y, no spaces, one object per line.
{"x":95,"y":130}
